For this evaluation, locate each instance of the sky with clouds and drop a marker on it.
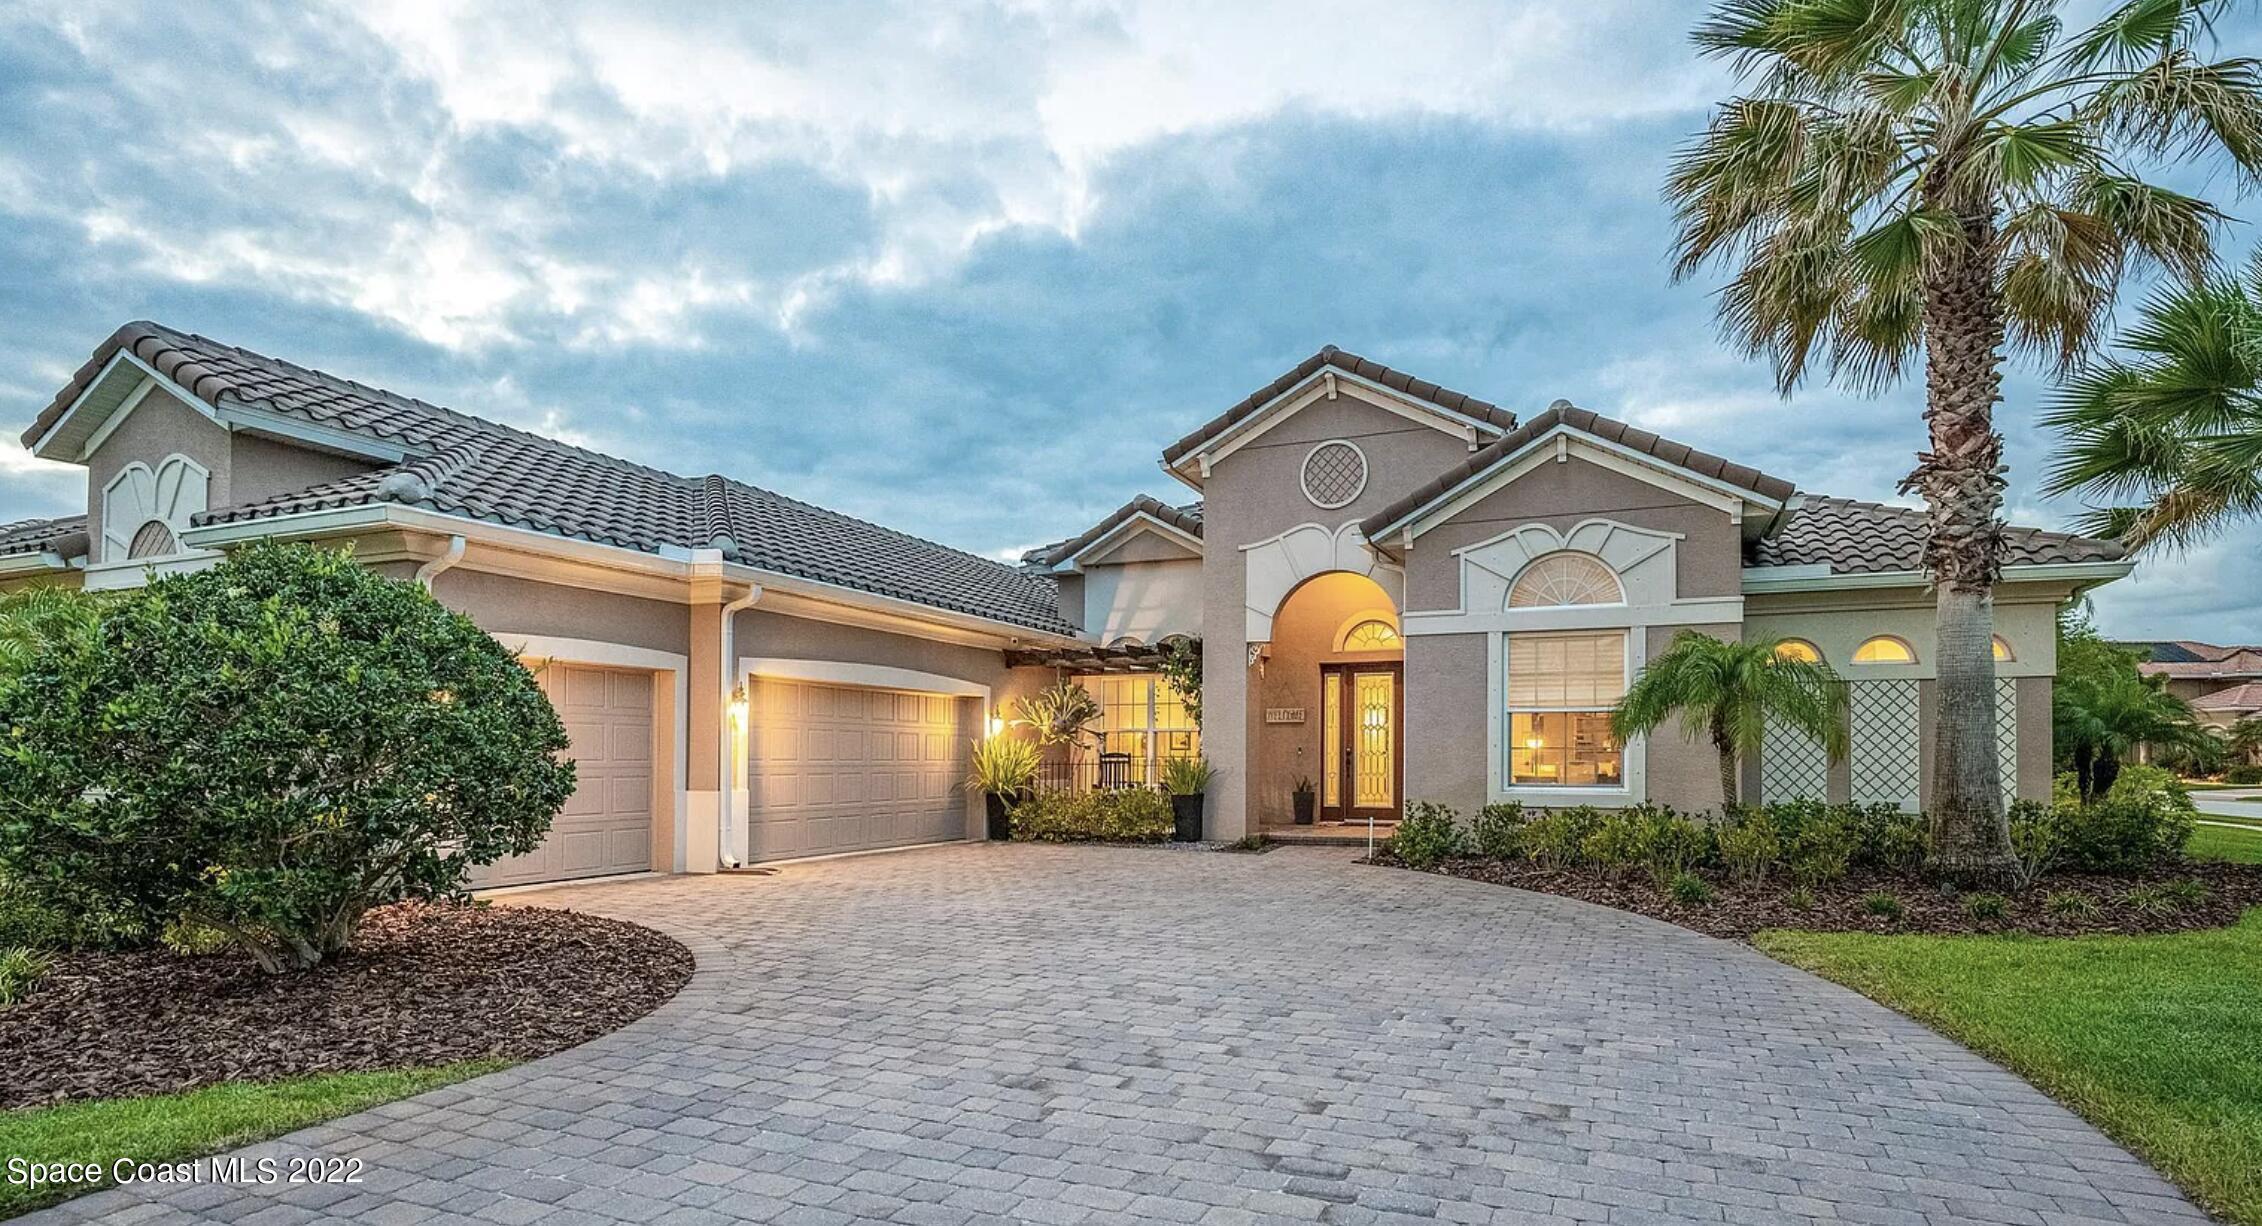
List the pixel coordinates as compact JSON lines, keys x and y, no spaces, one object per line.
{"x":962,"y":269}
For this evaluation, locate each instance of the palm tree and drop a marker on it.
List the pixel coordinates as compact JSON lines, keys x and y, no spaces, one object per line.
{"x":1944,"y":176}
{"x":1727,"y":693}
{"x":2170,"y":436}
{"x":2245,"y":738}
{"x":2104,"y":717}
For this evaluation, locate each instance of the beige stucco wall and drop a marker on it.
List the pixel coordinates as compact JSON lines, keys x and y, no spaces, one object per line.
{"x":1143,"y":600}
{"x":262,"y":467}
{"x":505,"y":604}
{"x":1303,"y":639}
{"x":1447,"y":720}
{"x":1257,"y":493}
{"x":1708,"y":561}
{"x":1837,"y":623}
{"x":160,"y":426}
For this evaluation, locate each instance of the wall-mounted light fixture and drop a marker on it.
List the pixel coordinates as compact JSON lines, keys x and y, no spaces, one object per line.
{"x":738,"y":705}
{"x":996,"y":723}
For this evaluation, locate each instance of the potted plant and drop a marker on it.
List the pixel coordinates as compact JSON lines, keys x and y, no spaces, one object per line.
{"x":1186,"y":779}
{"x":1003,"y":769}
{"x":1307,"y":800}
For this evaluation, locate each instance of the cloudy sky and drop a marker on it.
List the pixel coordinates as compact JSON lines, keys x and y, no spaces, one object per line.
{"x":962,"y":269}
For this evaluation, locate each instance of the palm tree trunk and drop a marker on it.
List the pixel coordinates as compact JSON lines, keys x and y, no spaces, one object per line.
{"x":1962,"y":484}
{"x":1726,"y":744}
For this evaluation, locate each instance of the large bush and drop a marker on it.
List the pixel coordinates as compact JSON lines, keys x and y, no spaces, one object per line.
{"x":2144,"y":820}
{"x":1427,"y":834}
{"x":1119,"y":815}
{"x":267,"y":749}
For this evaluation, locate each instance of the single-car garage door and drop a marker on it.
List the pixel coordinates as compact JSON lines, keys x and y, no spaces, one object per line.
{"x":833,"y":768}
{"x":606,"y":825}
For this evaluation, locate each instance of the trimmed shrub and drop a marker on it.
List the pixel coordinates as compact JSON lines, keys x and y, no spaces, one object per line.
{"x":1119,"y":815}
{"x":1819,"y":841}
{"x":269,"y":748}
{"x":2246,"y":775}
{"x":1891,"y":837}
{"x":1557,"y":838}
{"x":1689,"y":890}
{"x":1618,"y":843}
{"x":2127,"y":830}
{"x":20,"y":971}
{"x":1499,"y":830}
{"x":1749,"y":846}
{"x":64,"y":920}
{"x":1427,"y":834}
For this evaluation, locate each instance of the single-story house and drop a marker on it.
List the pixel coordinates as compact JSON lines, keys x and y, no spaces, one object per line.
{"x":1401,"y":592}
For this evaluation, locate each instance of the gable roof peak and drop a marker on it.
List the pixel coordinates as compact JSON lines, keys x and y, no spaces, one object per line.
{"x":1488,"y":415}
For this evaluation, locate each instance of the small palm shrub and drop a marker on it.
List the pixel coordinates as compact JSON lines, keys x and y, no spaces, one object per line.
{"x":1883,"y":905}
{"x":1002,"y":766}
{"x":1749,"y":846}
{"x":1499,"y":830}
{"x":21,"y":970}
{"x":1121,"y":815}
{"x":1689,"y":890}
{"x":1427,"y":834}
{"x":2073,"y":904}
{"x":1557,"y":838}
{"x":1986,"y":906}
{"x":1186,"y":776}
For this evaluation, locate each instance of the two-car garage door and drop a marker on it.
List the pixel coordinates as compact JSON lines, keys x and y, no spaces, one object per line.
{"x":835,"y":768}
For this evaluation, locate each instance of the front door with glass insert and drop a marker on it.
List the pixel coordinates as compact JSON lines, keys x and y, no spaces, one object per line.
{"x":1361,"y":757}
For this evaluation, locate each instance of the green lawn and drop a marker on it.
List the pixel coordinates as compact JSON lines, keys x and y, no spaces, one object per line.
{"x":2157,"y":1040}
{"x":2224,"y":843}
{"x":176,"y":1127}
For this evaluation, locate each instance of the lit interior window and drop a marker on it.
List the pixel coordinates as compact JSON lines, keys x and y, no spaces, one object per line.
{"x":2003,"y":650}
{"x":1565,"y":579}
{"x":1797,"y":650}
{"x":1560,"y":690}
{"x":1884,"y":649}
{"x":1371,"y":635}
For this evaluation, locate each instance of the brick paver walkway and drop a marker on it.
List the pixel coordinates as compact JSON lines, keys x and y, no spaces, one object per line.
{"x":987,"y":1033}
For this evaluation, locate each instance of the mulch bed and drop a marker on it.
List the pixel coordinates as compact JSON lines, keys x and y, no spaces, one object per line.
{"x":425,"y":984}
{"x":1927,"y":907}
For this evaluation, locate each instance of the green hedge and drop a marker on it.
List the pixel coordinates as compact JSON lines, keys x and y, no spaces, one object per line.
{"x":1124,"y":815}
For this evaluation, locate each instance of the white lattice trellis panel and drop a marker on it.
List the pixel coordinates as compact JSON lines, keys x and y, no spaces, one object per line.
{"x":1792,"y":765}
{"x":2007,"y":736}
{"x":1884,"y":758}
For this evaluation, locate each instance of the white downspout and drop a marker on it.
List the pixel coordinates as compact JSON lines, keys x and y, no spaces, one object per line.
{"x":727,"y":821}
{"x":431,"y":570}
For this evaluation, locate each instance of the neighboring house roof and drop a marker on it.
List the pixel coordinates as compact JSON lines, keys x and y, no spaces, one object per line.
{"x":2223,"y":662}
{"x":1864,"y":538}
{"x":1186,"y":518}
{"x":2182,"y":651}
{"x":1395,"y":380}
{"x":65,"y":536}
{"x":464,"y":465}
{"x":1564,"y":413}
{"x":2246,"y":697}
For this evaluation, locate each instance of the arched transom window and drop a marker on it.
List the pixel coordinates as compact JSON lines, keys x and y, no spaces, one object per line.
{"x":1373,"y":634}
{"x":1566,"y":578}
{"x":1885,"y":649}
{"x":1798,"y":651}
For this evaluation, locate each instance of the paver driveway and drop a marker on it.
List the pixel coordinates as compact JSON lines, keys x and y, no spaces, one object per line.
{"x":983,"y":1033}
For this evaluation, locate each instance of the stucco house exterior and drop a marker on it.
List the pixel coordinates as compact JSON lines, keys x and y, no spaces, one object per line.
{"x":1401,"y":591}
{"x":2222,"y":684}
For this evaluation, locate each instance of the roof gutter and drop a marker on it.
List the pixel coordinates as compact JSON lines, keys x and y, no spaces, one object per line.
{"x":431,"y":570}
{"x":672,"y":563}
{"x":39,"y":562}
{"x":726,"y":840}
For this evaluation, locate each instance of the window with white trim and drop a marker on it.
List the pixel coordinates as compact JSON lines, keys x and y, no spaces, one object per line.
{"x":1566,"y":578}
{"x":1560,"y":690}
{"x":1143,"y":717}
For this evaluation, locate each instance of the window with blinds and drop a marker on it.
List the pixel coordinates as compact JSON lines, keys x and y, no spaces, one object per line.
{"x":1560,"y":689}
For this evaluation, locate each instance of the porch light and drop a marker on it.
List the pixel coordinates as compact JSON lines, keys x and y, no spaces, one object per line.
{"x":738,"y":706}
{"x":996,"y":724}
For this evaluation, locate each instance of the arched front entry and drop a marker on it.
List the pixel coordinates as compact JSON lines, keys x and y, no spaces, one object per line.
{"x":1328,"y":697}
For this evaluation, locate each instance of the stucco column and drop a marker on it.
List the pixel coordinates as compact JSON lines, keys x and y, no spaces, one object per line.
{"x":703,"y":735}
{"x":1225,"y":724}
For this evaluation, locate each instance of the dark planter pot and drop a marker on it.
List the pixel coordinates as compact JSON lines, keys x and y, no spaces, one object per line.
{"x":1307,"y":805}
{"x":1001,"y":824}
{"x":1186,"y":813}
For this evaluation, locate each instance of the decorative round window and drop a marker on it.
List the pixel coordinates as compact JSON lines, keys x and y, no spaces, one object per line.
{"x":1334,"y":473}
